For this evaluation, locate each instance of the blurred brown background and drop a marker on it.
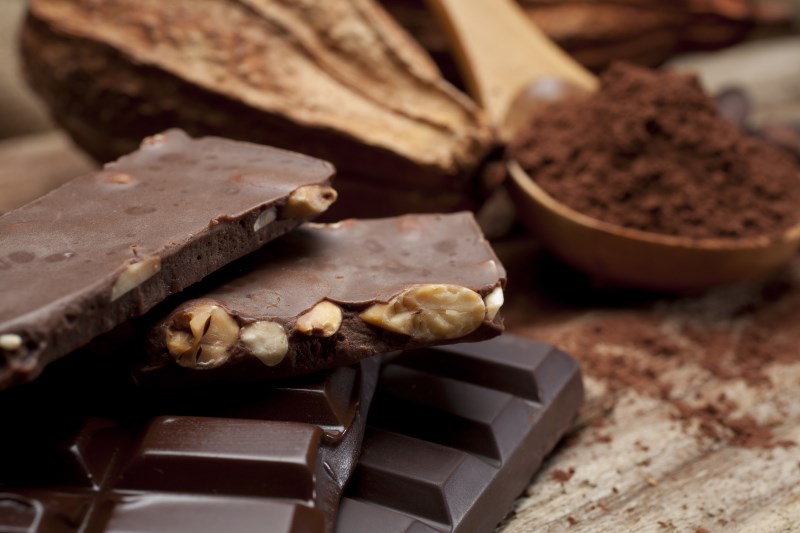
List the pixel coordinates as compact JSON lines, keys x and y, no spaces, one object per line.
{"x":21,"y":113}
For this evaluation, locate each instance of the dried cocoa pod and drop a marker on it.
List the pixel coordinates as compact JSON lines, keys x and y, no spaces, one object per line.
{"x":337,"y":80}
{"x":599,"y":32}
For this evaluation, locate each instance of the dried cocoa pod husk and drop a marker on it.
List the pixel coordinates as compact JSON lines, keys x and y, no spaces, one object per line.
{"x":599,"y":32}
{"x":337,"y":80}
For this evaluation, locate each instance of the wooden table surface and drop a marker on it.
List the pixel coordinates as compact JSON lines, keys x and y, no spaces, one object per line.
{"x":637,"y":458}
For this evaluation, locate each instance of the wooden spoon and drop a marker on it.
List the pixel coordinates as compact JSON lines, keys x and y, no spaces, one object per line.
{"x":513,"y":69}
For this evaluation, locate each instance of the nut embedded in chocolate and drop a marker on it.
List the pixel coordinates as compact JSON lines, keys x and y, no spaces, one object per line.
{"x":265,"y":219}
{"x":430,"y":312}
{"x":201,"y":336}
{"x":266,"y":340}
{"x":308,"y":201}
{"x":494,"y":301}
{"x":10,"y":342}
{"x":322,"y":320}
{"x":153,"y":140}
{"x":134,"y":275}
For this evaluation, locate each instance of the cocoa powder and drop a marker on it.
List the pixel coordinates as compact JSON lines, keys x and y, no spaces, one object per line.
{"x":649,"y":151}
{"x":696,"y":354}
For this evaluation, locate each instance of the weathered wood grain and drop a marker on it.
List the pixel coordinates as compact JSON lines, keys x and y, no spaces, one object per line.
{"x":637,"y":465}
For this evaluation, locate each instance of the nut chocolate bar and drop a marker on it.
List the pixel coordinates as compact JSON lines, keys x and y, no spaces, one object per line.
{"x":456,"y":433}
{"x":252,"y":458}
{"x":330,"y":294}
{"x":108,"y":246}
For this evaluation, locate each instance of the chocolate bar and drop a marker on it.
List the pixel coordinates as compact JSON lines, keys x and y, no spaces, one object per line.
{"x":456,"y":433}
{"x":108,"y":246}
{"x":328,"y":295}
{"x":88,"y":451}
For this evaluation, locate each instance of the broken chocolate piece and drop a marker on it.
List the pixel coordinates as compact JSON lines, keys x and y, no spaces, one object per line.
{"x":329,"y":295}
{"x":250,"y":458}
{"x":455,"y":435}
{"x":108,"y":246}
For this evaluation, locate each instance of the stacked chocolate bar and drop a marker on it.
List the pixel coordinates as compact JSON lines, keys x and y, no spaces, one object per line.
{"x":216,"y":381}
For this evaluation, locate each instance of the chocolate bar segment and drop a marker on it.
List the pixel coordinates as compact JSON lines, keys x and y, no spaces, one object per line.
{"x":456,"y":433}
{"x":329,"y":295}
{"x":211,"y":459}
{"x":109,"y":246}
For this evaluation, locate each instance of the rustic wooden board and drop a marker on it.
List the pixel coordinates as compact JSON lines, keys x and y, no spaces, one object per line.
{"x":637,"y":467}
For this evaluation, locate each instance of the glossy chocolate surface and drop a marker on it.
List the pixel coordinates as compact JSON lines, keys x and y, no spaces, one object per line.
{"x":179,"y":208}
{"x":353,"y":264}
{"x":81,"y":456}
{"x":456,"y":433}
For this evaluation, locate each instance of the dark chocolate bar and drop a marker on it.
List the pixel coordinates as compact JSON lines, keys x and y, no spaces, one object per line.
{"x":108,"y":246}
{"x":330,"y":294}
{"x":456,"y":433}
{"x":88,"y":451}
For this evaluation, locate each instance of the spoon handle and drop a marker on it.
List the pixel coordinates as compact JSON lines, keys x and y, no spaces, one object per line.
{"x":501,"y":51}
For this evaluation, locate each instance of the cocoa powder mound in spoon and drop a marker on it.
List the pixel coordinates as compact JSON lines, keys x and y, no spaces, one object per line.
{"x":649,"y":151}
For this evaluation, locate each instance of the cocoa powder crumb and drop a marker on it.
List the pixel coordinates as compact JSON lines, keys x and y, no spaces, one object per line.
{"x":649,"y":151}
{"x":562,"y":476}
{"x":603,"y":438}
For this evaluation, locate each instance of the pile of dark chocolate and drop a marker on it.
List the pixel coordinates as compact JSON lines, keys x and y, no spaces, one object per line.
{"x":166,"y":367}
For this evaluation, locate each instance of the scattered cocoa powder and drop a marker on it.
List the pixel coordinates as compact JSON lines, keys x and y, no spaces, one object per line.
{"x":637,"y":342}
{"x":649,"y":151}
{"x":739,"y":347}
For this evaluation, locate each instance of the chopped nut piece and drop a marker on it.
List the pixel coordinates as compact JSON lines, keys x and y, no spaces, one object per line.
{"x":10,"y":342}
{"x":267,"y":341}
{"x":323,"y":320}
{"x":135,"y":275}
{"x":309,"y":200}
{"x":265,"y":218}
{"x":201,"y":336}
{"x":430,"y":312}
{"x":494,"y":301}
{"x":120,"y":178}
{"x":154,"y":140}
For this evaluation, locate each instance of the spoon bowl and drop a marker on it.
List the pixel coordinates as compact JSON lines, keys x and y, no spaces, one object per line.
{"x":509,"y":65}
{"x":643,"y":259}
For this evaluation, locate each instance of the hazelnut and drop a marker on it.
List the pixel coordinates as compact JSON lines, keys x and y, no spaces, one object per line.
{"x":134,"y":275}
{"x":308,"y":200}
{"x":266,"y":340}
{"x":201,"y":335}
{"x":430,"y":312}
{"x":265,"y":218}
{"x":323,"y":320}
{"x":494,"y":301}
{"x":10,"y":342}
